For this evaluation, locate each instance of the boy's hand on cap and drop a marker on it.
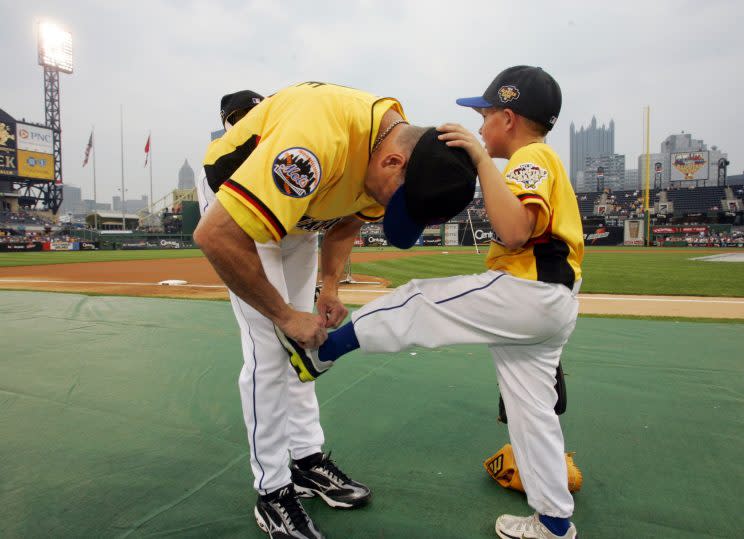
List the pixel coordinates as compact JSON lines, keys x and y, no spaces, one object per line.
{"x":457,"y":136}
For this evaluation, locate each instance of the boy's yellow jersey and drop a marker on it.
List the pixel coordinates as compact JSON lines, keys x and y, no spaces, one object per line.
{"x":554,"y":254}
{"x":297,"y":161}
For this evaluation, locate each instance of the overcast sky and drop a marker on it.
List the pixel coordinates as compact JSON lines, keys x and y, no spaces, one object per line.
{"x":169,"y":62}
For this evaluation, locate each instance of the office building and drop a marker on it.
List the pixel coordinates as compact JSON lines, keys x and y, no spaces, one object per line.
{"x":591,"y":141}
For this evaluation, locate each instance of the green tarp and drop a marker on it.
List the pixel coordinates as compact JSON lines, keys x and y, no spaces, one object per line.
{"x":120,"y":417}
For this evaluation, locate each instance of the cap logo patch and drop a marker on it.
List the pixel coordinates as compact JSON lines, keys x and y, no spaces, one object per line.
{"x":553,"y":119}
{"x":528,"y":175}
{"x":508,"y":93}
{"x":296,"y":172}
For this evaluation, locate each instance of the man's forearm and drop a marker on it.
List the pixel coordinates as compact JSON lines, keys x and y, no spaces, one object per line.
{"x":233,"y":255}
{"x":336,"y":248}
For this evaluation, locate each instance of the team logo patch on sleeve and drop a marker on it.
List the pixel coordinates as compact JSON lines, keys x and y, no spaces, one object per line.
{"x":296,"y":172}
{"x":528,"y":175}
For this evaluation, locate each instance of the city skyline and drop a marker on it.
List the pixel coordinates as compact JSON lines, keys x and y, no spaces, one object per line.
{"x":185,"y":179}
{"x":175,"y":94}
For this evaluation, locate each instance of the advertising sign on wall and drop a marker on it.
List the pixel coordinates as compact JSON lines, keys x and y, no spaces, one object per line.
{"x":35,"y":165}
{"x":482,"y":232}
{"x":8,"y":163}
{"x":450,"y":234}
{"x":29,"y":246}
{"x":689,"y":166}
{"x":634,"y":232}
{"x":603,"y":235}
{"x":34,"y":138}
{"x":375,"y":241}
{"x":431,"y":239}
{"x":679,"y":229}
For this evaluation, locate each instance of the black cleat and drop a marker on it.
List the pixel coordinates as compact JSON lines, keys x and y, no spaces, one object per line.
{"x":281,"y":515}
{"x":306,"y":363}
{"x":323,"y":478}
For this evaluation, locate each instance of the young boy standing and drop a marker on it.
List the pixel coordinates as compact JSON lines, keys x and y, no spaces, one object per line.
{"x":524,"y":307}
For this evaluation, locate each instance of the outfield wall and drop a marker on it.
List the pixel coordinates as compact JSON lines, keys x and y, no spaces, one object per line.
{"x":30,"y":246}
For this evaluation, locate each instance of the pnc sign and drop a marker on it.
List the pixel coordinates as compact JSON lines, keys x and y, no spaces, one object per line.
{"x":34,"y":138}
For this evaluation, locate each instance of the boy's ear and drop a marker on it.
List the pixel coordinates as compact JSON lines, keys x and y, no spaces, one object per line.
{"x":511,"y":118}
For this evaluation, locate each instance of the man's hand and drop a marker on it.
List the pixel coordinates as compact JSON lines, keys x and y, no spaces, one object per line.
{"x":330,"y":308}
{"x":334,"y":252}
{"x":306,"y":328}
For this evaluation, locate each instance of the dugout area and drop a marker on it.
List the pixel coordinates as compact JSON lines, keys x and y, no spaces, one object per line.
{"x":120,"y":417}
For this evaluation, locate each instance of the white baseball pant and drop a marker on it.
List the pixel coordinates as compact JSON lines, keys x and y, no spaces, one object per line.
{"x":281,"y":413}
{"x":525,"y":324}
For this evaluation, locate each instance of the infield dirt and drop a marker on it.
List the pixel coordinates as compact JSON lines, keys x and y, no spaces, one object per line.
{"x":141,"y":278}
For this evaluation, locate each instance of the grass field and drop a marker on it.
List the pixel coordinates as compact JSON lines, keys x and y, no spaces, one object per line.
{"x":615,"y":270}
{"x":74,"y":257}
{"x":607,"y":270}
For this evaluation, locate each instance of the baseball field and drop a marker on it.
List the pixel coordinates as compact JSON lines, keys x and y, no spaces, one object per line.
{"x":121,"y":415}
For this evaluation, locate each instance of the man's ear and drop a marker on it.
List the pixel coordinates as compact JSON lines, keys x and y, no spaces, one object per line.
{"x":394,"y":160}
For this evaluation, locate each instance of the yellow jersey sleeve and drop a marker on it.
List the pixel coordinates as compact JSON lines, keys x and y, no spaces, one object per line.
{"x":247,"y":220}
{"x":274,"y":186}
{"x":530,"y":177}
{"x":371,"y":214}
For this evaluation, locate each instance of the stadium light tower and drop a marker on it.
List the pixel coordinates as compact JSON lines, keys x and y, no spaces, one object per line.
{"x":55,"y":55}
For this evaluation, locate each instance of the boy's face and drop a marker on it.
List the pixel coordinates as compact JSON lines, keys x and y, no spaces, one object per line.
{"x":494,"y":130}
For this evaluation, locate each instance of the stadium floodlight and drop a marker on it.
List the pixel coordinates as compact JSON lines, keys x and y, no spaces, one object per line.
{"x":55,"y":47}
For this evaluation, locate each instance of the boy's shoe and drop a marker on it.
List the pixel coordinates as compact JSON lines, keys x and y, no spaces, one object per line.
{"x":511,"y":527}
{"x":281,"y":515}
{"x":306,"y":362}
{"x":326,"y":480}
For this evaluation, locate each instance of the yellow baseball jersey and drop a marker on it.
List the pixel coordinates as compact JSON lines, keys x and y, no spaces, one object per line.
{"x":297,"y":161}
{"x":554,"y":254}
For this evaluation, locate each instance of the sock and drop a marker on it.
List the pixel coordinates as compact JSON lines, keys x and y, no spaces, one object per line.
{"x":556,"y":525}
{"x":340,"y":342}
{"x":305,"y":463}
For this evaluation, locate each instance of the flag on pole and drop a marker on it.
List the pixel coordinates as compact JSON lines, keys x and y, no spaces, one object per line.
{"x":147,"y":150}
{"x":88,"y":148}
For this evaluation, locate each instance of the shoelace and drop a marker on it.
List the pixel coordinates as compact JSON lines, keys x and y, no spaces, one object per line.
{"x":534,"y":525}
{"x":331,"y":467}
{"x":291,"y":507}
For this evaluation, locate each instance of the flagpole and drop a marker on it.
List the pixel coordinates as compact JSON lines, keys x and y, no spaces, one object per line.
{"x":95,"y":199}
{"x":123,"y":193}
{"x":648,"y":177}
{"x":151,"y":200}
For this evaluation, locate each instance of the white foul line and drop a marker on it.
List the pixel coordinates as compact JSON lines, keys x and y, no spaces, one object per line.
{"x":665,"y":300}
{"x":50,"y":281}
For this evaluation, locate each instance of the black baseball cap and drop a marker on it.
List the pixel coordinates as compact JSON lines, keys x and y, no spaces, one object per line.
{"x":232,"y":103}
{"x":439,"y":184}
{"x":528,"y":91}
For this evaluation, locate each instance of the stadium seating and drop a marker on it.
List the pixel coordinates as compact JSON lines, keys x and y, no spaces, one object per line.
{"x":696,"y":200}
{"x":700,"y":199}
